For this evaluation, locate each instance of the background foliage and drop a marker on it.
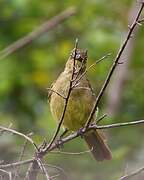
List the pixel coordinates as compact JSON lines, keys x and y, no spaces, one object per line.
{"x":100,"y":26}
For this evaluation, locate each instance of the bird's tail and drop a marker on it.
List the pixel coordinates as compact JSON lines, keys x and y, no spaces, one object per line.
{"x":98,"y":146}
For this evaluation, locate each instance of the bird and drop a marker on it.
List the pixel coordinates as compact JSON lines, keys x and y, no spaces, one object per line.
{"x":80,"y":103}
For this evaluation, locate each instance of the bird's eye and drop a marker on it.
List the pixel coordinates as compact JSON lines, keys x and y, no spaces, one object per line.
{"x":78,"y":56}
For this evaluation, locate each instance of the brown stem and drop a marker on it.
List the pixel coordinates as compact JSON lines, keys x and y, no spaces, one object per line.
{"x":31,"y":174}
{"x":19,"y":134}
{"x":113,"y":67}
{"x":129,"y":176}
{"x":66,"y":102}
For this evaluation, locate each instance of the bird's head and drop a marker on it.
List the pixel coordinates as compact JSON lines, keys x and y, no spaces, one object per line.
{"x":80,"y":58}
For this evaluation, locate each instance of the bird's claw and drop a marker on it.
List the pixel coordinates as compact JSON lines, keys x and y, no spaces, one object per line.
{"x":80,"y":132}
{"x":59,"y":143}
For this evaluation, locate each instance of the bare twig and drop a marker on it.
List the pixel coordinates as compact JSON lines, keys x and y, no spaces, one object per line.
{"x":47,"y":26}
{"x":7,"y":173}
{"x":42,"y":167}
{"x":66,"y":101}
{"x":129,"y":176}
{"x":19,"y":163}
{"x":2,"y":131}
{"x":49,"y":89}
{"x":141,"y":20}
{"x":117,"y":125}
{"x":54,"y":176}
{"x":92,"y":65}
{"x":20,"y":134}
{"x":61,"y":170}
{"x":94,"y":126}
{"x":72,"y":153}
{"x":101,"y":118}
{"x":16,"y":164}
{"x":17,"y":169}
{"x":82,"y":88}
{"x":32,"y":175}
{"x":32,"y":171}
{"x":116,"y":61}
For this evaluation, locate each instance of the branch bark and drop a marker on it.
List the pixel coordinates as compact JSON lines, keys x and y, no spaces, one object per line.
{"x":117,"y":85}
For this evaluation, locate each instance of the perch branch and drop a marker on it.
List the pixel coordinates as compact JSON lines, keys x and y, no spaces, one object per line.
{"x":94,"y":126}
{"x":73,"y":136}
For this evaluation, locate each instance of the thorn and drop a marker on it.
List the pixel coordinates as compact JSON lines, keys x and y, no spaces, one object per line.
{"x":141,"y":20}
{"x":129,"y":26}
{"x":131,"y":36}
{"x":138,"y":23}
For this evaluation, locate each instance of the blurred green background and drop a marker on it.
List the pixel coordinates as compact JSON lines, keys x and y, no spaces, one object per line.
{"x":100,"y":26}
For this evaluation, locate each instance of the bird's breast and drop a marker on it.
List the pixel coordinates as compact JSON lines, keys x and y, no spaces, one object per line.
{"x":79,"y":104}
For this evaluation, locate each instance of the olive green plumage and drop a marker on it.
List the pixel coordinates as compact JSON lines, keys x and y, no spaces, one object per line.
{"x":80,"y":102}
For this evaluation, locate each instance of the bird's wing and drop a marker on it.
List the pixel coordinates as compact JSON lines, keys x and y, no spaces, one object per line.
{"x":94,"y":96}
{"x":91,"y":89}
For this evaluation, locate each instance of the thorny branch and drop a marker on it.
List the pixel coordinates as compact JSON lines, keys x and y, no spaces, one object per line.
{"x":73,"y":136}
{"x":114,"y":65}
{"x":94,"y":126}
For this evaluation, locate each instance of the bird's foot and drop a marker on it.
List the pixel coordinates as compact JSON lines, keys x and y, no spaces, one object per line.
{"x":59,"y":143}
{"x":80,"y":132}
